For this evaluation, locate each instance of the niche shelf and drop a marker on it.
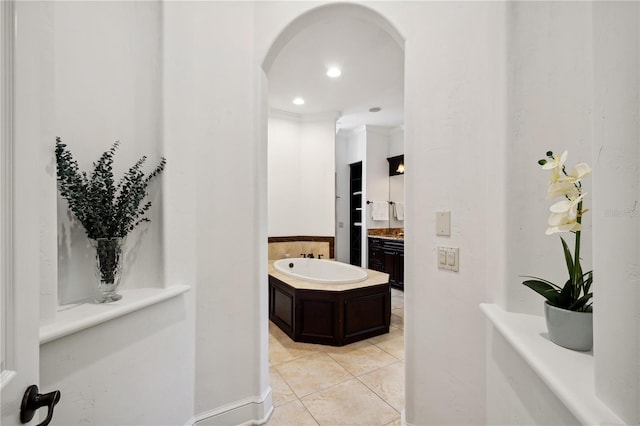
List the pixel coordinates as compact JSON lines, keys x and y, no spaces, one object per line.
{"x":74,"y":317}
{"x":355,"y":212}
{"x":569,"y":374}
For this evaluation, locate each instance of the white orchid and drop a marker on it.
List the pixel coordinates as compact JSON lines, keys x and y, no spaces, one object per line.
{"x":564,"y":188}
{"x":555,"y":165}
{"x":566,"y":216}
{"x":577,"y":173}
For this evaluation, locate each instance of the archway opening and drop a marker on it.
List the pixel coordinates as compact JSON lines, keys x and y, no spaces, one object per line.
{"x":310,"y":145}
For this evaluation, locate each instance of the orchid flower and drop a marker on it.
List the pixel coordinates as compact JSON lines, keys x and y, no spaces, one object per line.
{"x":577,"y":173}
{"x":563,"y":188}
{"x":564,"y":216}
{"x":555,"y":166}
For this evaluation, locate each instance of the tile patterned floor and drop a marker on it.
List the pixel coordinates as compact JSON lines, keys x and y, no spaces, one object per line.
{"x":357,"y":384}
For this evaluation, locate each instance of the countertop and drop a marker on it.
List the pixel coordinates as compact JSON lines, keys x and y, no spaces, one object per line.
{"x":396,"y":234}
{"x":388,"y":237}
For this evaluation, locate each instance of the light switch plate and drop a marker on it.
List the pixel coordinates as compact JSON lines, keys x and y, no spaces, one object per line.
{"x":443,"y":224}
{"x":449,"y":258}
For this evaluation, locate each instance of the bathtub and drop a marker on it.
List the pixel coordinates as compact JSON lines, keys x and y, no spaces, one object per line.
{"x":328,"y":302}
{"x":320,"y":270}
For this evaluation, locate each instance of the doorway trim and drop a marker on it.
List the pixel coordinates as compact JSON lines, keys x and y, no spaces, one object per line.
{"x":7,"y":21}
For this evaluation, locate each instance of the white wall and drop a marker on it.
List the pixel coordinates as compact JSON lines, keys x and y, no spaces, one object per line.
{"x":106,"y":87}
{"x":396,"y":141}
{"x":96,"y":73}
{"x":573,"y":85}
{"x":342,"y":197}
{"x":616,"y":219}
{"x":550,"y":78}
{"x":285,"y":202}
{"x":396,"y":183}
{"x":220,"y":112}
{"x":301,"y":176}
{"x":377,"y":175}
{"x":452,"y":125}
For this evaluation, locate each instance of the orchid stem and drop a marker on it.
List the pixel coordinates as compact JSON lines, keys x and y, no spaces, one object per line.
{"x":576,"y":260}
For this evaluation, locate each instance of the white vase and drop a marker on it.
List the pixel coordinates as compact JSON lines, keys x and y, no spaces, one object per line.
{"x":569,"y":329}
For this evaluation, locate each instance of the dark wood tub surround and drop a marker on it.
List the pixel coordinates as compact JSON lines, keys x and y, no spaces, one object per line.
{"x":330,"y":317}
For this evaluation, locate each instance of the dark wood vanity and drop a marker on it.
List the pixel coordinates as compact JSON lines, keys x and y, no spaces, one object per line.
{"x":387,"y":255}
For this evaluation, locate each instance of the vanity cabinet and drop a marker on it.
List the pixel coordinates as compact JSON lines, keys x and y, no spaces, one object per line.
{"x":387,"y":255}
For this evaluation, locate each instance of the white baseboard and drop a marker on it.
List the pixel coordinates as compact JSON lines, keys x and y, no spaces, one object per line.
{"x":404,"y":419}
{"x":245,"y":412}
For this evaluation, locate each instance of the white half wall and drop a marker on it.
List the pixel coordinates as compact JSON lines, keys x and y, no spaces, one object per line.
{"x":516,"y":396}
{"x":133,"y":370}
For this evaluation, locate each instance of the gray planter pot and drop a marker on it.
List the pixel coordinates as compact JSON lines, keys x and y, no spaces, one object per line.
{"x":569,"y":329}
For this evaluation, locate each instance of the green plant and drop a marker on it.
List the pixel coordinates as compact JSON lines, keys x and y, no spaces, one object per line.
{"x":566,"y":216}
{"x":104,"y":208}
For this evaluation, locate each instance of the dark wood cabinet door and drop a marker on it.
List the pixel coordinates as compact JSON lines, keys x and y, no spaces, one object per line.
{"x":390,"y":265}
{"x":400,"y":270}
{"x":388,"y":256}
{"x":375,"y":255}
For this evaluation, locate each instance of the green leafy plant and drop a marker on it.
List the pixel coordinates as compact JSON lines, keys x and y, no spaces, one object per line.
{"x":566,"y":216}
{"x":105,"y":209}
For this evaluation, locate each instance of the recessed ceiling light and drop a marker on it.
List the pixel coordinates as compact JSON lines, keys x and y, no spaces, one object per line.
{"x":375,"y":109}
{"x":334,"y":72}
{"x":298,"y":101}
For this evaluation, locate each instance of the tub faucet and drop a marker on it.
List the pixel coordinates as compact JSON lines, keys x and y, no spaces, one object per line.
{"x":303,"y":255}
{"x":310,"y":256}
{"x":320,"y":256}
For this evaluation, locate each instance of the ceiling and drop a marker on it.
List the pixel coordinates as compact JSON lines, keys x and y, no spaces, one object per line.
{"x":372,"y":67}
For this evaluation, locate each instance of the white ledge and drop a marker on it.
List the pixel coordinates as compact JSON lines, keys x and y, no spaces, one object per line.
{"x":78,"y":316}
{"x":569,"y":374}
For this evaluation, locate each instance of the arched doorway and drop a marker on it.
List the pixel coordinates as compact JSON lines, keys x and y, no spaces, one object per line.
{"x":304,"y":388}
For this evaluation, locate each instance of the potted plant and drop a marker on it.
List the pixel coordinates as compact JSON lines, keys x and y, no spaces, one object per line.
{"x":107,"y":211}
{"x":568,"y":308}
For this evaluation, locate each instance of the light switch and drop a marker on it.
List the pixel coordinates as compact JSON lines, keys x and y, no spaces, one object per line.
{"x":442,"y":256}
{"x":455,"y":254}
{"x":443,"y":224}
{"x":451,"y":257}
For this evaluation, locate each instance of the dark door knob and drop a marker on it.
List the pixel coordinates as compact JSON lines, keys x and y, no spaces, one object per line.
{"x":32,"y":400}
